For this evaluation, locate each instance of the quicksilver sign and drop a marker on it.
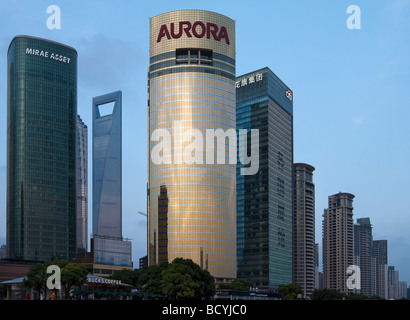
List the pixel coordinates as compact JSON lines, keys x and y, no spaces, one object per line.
{"x":197,"y":29}
{"x":46,"y":54}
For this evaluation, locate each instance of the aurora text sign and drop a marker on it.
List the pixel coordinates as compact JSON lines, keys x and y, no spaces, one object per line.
{"x":197,"y":29}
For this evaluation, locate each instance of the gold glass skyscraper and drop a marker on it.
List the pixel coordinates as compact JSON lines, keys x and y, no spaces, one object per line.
{"x":192,"y":183}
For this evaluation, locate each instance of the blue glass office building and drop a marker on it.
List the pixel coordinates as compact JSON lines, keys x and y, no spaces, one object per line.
{"x":107,"y":244}
{"x":107,"y":165}
{"x":264,"y":200}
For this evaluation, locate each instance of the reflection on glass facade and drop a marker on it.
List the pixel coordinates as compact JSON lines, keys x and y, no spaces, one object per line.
{"x":82,"y":185}
{"x":264,"y":200}
{"x":192,"y":206}
{"x":107,"y":165}
{"x":111,"y":251}
{"x":162,"y":225}
{"x":41,"y":140}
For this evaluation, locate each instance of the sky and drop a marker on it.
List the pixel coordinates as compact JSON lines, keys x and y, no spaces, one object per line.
{"x":350,"y":92}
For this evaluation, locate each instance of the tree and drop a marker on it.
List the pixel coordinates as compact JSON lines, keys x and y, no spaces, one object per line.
{"x":73,"y":274}
{"x":177,"y":285}
{"x":149,"y":279}
{"x":290,"y":291}
{"x":181,"y":279}
{"x":127,"y":276}
{"x":237,"y":285}
{"x":326,"y":294}
{"x":36,"y":278}
{"x":205,"y":281}
{"x":185,"y":279}
{"x":60,"y":263}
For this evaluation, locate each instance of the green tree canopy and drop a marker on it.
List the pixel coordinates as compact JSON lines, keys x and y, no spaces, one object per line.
{"x":326,"y":294}
{"x":149,"y":279}
{"x":181,"y":279}
{"x":290,"y":291}
{"x":237,"y":285}
{"x":127,"y":276}
{"x":185,"y":279}
{"x":73,"y":274}
{"x":36,"y":278}
{"x":177,"y":285}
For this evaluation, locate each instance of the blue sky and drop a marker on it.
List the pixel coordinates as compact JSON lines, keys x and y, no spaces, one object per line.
{"x":351,"y":93}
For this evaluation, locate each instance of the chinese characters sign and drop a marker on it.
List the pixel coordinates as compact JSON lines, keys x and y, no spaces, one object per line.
{"x":249,"y":80}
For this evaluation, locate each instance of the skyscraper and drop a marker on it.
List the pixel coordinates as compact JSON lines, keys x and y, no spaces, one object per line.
{"x":107,"y":165}
{"x":264,"y":199}
{"x":393,"y":283}
{"x":41,"y":139}
{"x":82,"y":185}
{"x":363,"y":241}
{"x":338,"y":241}
{"x":108,"y":246}
{"x":191,"y":197}
{"x":304,"y":227}
{"x":379,"y":252}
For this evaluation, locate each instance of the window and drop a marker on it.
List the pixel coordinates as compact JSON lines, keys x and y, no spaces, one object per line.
{"x":194,"y":56}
